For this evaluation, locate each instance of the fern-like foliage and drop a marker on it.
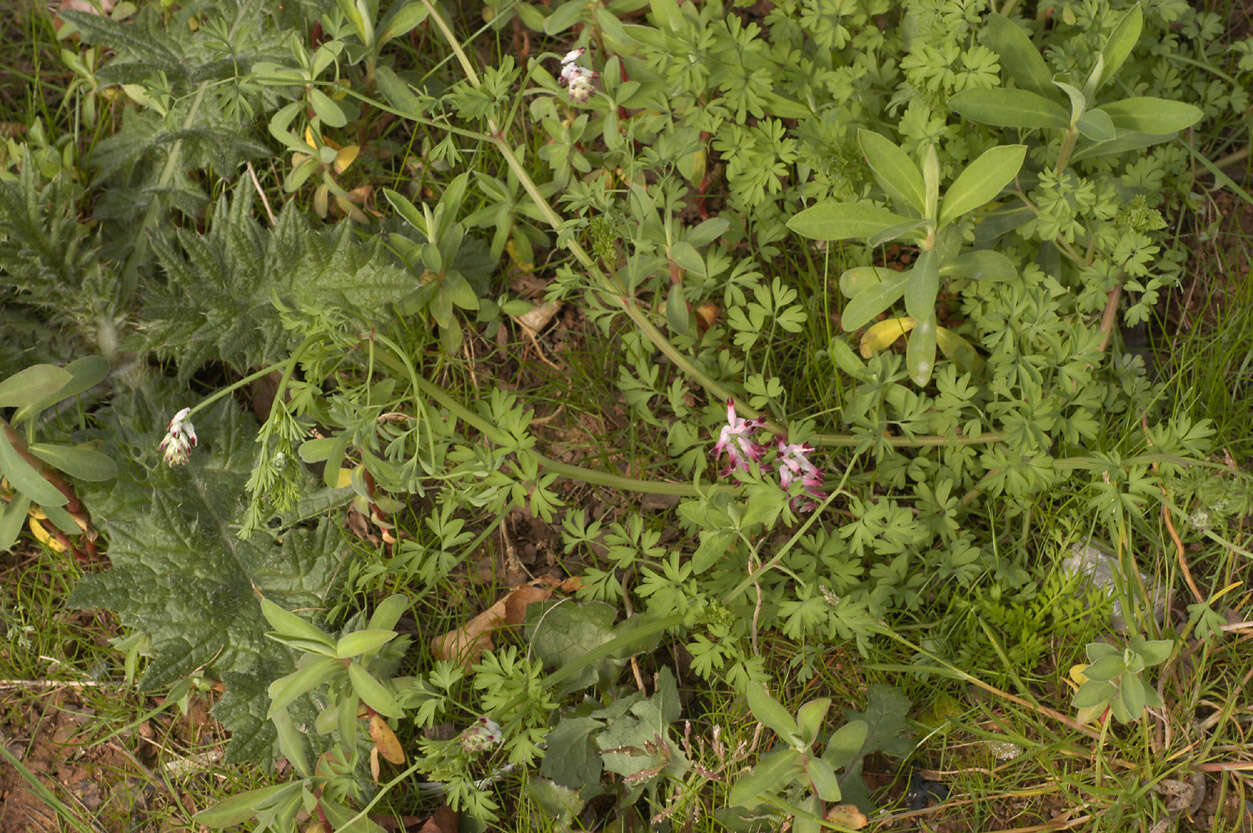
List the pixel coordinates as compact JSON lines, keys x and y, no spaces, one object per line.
{"x":219,"y":301}
{"x":181,"y":575}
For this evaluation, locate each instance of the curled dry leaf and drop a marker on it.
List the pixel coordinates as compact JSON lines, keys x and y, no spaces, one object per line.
{"x":468,"y":642}
{"x":385,"y":741}
{"x":538,"y":316}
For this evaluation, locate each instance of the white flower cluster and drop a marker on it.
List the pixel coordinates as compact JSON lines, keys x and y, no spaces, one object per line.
{"x":482,"y":735}
{"x":578,"y":79}
{"x":180,"y":439}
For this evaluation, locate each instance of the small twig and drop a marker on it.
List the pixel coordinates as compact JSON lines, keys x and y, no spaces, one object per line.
{"x":256,"y":183}
{"x":1109,"y":317}
{"x":1183,"y":562}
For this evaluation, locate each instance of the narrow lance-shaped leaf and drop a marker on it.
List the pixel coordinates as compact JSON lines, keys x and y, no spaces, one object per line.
{"x":1009,"y":108}
{"x":923,"y":285}
{"x":289,"y":624}
{"x":770,"y":712}
{"x":372,"y":692}
{"x":895,"y":171}
{"x":1121,"y":41}
{"x":982,"y":180}
{"x":773,"y":771}
{"x":76,"y":461}
{"x":86,"y":372}
{"x":920,"y":351}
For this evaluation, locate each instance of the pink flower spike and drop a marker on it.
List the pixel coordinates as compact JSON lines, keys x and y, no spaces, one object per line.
{"x":736,"y":441}
{"x":573,"y":55}
{"x":793,"y":461}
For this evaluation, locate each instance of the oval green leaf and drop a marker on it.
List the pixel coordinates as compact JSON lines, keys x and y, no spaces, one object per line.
{"x":372,"y":692}
{"x":1019,"y":57}
{"x":32,"y":384}
{"x":865,"y":305}
{"x":846,"y":744}
{"x":923,"y":285}
{"x":25,"y":478}
{"x":363,"y":642}
{"x":822,"y":777}
{"x":773,"y":771}
{"x":389,"y":611}
{"x":920,"y":350}
{"x":1000,"y":107}
{"x":286,"y":689}
{"x":771,"y":712}
{"x":1146,"y":114}
{"x":77,"y":461}
{"x":895,"y":171}
{"x":982,"y":180}
{"x":289,"y":624}
{"x":1121,"y":41}
{"x":843,"y":221}
{"x":326,"y":109}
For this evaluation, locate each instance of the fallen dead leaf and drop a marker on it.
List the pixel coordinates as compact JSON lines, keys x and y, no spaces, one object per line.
{"x":468,"y":642}
{"x":847,"y":815}
{"x":443,"y":821}
{"x":385,"y":740}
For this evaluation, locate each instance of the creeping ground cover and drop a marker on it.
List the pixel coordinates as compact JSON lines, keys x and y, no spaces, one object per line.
{"x":626,"y":415}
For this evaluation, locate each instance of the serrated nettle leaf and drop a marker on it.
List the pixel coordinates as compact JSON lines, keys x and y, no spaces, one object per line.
{"x":774,"y":771}
{"x":846,"y":743}
{"x":920,"y":349}
{"x":362,"y":642}
{"x":572,"y":759}
{"x":76,"y":461}
{"x":982,"y":180}
{"x":872,"y":300}
{"x":844,"y":221}
{"x":771,"y":712}
{"x":373,"y":693}
{"x":561,"y":632}
{"x":923,"y":286}
{"x":181,"y":574}
{"x":809,"y":719}
{"x":1096,"y":125}
{"x":23,"y":477}
{"x":895,"y":171}
{"x":1120,"y":43}
{"x":1019,"y":57}
{"x":1145,"y":114}
{"x":822,"y":776}
{"x":885,"y":714}
{"x":1094,"y":693}
{"x":1009,"y":108}
{"x":32,"y":384}
{"x":882,"y":334}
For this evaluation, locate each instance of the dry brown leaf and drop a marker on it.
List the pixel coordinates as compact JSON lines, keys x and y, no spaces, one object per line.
{"x":468,"y":642}
{"x":537,"y":317}
{"x":847,"y":815}
{"x":385,"y":741}
{"x":444,"y":821}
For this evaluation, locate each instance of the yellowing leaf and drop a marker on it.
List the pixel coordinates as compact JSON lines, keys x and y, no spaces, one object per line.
{"x":1076,"y":674}
{"x":846,"y":815}
{"x":385,"y":741}
{"x":344,"y":479}
{"x":44,"y":536}
{"x":883,"y":334}
{"x":345,"y":157}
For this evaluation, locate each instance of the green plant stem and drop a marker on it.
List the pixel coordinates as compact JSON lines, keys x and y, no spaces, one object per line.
{"x":796,"y":536}
{"x":1067,"y":148}
{"x":251,"y":377}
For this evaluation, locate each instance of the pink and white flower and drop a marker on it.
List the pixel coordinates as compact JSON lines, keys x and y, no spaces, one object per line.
{"x":736,"y":441}
{"x":180,"y":439}
{"x":793,"y":462}
{"x":578,"y":79}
